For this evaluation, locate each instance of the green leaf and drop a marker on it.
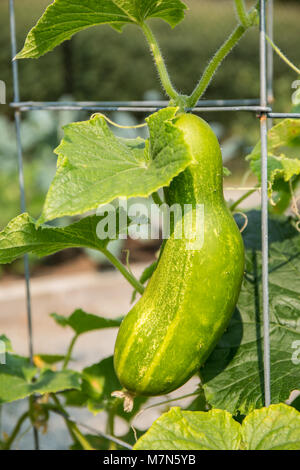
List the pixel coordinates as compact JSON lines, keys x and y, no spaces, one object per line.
{"x":82,"y":322}
{"x":98,"y":383}
{"x":95,"y":166}
{"x":280,"y":229}
{"x":21,"y":236}
{"x":233,"y":375}
{"x":74,"y":398}
{"x":283,"y":154}
{"x":192,"y":430}
{"x":273,"y":428}
{"x":16,"y":380}
{"x":53,"y":382}
{"x":62,"y":19}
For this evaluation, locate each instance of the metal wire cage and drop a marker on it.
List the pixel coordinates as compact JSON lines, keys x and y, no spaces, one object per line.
{"x":262,"y":108}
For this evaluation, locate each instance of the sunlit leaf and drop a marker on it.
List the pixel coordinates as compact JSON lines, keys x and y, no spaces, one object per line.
{"x":62,"y":19}
{"x":95,"y":166}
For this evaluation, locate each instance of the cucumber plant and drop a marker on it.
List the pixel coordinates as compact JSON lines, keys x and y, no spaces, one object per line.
{"x":175,"y":329}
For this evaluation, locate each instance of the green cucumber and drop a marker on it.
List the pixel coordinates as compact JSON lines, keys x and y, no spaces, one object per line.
{"x":189,"y":300}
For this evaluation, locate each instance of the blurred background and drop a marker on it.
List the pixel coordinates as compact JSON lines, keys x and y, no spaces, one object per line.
{"x":98,"y":65}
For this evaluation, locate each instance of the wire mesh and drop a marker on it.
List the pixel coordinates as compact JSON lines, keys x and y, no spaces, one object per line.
{"x":22,"y":186}
{"x":264,"y":199}
{"x":261,"y":106}
{"x":141,"y":106}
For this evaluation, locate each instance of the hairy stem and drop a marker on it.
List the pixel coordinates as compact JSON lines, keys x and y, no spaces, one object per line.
{"x":242,"y":12}
{"x":214,"y":64}
{"x":159,"y":62}
{"x":220,"y":55}
{"x":69,"y":352}
{"x":130,"y":278}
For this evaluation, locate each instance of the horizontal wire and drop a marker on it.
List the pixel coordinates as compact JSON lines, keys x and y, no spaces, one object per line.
{"x":151,"y":103}
{"x":256,"y":188}
{"x":150,"y":106}
{"x":92,"y":429}
{"x":24,"y":107}
{"x":284,"y":115}
{"x":102,"y":434}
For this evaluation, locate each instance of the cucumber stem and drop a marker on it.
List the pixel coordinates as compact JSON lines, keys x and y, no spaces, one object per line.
{"x":69,"y":352}
{"x":242,"y":12}
{"x":130,"y":278}
{"x":159,"y":62}
{"x":220,"y":55}
{"x":214,"y":64}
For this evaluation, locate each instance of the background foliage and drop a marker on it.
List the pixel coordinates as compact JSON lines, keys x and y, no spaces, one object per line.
{"x":88,"y":69}
{"x":100,"y":64}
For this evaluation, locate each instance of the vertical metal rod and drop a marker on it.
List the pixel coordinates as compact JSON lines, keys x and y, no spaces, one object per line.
{"x":270,"y":56}
{"x":264,"y":200}
{"x":21,"y":181}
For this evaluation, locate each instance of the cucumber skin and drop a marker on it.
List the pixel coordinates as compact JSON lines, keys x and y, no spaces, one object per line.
{"x":190,"y":298}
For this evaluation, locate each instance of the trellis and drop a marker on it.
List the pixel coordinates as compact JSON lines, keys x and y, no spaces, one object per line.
{"x":261,"y":107}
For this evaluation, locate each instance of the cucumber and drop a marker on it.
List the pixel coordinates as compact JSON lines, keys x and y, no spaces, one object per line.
{"x":189,"y":300}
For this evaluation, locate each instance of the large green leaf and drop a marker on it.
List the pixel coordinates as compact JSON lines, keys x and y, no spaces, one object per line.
{"x":82,"y":322}
{"x":283,"y":158}
{"x":98,"y":383}
{"x":273,"y":428}
{"x":95,"y":166}
{"x":192,"y":430}
{"x":280,"y":229}
{"x":233,"y":375}
{"x":21,"y":236}
{"x":62,"y":19}
{"x":16,"y":379}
